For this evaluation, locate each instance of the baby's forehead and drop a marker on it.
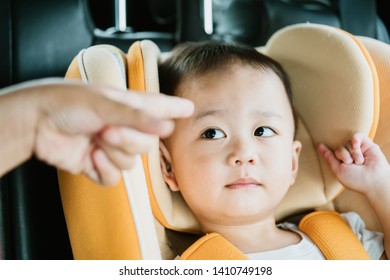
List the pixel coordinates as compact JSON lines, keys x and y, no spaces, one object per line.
{"x":230,"y":66}
{"x":246,"y":80}
{"x":221,"y":74}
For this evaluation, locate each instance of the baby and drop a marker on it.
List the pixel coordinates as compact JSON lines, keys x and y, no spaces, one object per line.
{"x":235,"y":158}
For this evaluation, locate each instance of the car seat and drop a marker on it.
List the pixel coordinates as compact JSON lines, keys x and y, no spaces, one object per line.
{"x":336,"y":92}
{"x":115,"y":222}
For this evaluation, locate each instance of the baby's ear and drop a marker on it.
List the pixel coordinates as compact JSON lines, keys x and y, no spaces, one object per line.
{"x":166,"y":168}
{"x":296,"y":151}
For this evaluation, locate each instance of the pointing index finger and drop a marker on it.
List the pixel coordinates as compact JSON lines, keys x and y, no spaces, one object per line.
{"x":157,"y":105}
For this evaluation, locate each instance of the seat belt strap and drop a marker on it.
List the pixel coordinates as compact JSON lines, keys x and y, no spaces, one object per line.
{"x":333,"y":236}
{"x":327,"y":229}
{"x":213,"y":247}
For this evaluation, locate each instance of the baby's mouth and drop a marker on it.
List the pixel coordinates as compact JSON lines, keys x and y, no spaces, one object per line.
{"x":243,"y":183}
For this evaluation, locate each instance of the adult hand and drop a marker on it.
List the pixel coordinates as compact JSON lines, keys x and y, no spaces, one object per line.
{"x":92,"y":130}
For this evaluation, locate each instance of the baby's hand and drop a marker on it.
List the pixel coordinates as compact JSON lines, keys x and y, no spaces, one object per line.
{"x":360,"y":165}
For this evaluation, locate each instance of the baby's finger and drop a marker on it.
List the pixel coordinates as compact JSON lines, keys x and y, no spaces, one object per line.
{"x":363,"y":141}
{"x":329,"y":156}
{"x":357,"y":140}
{"x":355,"y":151}
{"x":343,"y":155}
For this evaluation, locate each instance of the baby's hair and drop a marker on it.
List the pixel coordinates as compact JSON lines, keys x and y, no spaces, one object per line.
{"x":191,"y":60}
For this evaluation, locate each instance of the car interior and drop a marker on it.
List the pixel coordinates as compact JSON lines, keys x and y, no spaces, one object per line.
{"x":46,"y":214}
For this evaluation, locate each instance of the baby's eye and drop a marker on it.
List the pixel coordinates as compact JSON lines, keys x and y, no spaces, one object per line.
{"x":264,"y":131}
{"x":213,"y":133}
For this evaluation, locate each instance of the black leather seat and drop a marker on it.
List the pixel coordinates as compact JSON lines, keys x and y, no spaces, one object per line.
{"x":254,"y":21}
{"x":38,"y":39}
{"x":152,"y":19}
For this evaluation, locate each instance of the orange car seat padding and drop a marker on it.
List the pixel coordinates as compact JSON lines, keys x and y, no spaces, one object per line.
{"x":92,"y":222}
{"x":100,"y":220}
{"x":135,"y":62}
{"x":143,"y":57}
{"x":333,"y":236}
{"x":137,"y":81}
{"x":375,"y":78}
{"x":380,"y":54}
{"x":143,"y":76}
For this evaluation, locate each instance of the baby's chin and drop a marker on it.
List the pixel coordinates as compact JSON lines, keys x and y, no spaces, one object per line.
{"x":242,"y":213}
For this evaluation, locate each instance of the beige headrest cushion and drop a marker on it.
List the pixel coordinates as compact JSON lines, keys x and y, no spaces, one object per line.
{"x":335,"y":93}
{"x":352,"y":201}
{"x":92,"y":59}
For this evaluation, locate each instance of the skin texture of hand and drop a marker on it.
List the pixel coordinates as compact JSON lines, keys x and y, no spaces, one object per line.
{"x":84,"y":129}
{"x":361,"y":166}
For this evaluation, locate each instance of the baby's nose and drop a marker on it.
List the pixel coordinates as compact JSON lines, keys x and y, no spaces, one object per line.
{"x":243,"y":155}
{"x":243,"y":160}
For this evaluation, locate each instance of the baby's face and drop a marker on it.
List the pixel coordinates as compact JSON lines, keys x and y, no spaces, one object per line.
{"x":234,"y":159}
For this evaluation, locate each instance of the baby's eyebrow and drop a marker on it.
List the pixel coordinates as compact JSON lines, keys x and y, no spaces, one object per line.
{"x":222,"y":112}
{"x":266,"y":114}
{"x":209,"y":112}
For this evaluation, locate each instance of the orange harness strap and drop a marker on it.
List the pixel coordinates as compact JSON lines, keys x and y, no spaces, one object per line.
{"x":327,"y":229}
{"x":213,"y":247}
{"x":333,"y":236}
